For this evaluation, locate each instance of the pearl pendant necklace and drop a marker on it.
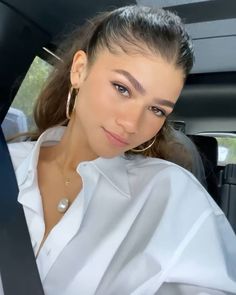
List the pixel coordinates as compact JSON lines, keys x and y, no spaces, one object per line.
{"x":63,"y":205}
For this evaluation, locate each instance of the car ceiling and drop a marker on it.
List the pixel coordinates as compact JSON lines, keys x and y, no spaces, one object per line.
{"x":212,"y":25}
{"x":52,"y":16}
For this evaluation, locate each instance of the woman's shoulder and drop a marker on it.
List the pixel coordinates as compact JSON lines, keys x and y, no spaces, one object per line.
{"x":160,"y":170}
{"x":154,"y":166}
{"x":19,"y":151}
{"x":168,"y":177}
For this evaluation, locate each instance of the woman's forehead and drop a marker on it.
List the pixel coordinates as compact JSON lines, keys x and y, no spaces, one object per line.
{"x":152,"y":72}
{"x":143,"y":62}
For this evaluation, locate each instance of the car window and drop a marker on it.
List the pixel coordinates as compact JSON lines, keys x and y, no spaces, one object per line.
{"x":226,"y":147}
{"x":20,"y":115}
{"x":226,"y":150}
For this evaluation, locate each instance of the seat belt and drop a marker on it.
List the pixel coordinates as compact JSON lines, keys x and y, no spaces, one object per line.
{"x":18,"y":266}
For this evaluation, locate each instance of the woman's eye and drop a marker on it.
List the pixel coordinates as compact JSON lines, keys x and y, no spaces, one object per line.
{"x":122,"y":90}
{"x":158,"y":112}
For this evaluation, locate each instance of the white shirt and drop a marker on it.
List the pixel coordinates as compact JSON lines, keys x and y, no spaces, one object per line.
{"x":139,"y":226}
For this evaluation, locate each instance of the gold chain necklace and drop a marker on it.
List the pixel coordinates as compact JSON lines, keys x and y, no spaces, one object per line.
{"x":64,"y":203}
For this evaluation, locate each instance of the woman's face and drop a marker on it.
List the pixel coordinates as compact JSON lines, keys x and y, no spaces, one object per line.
{"x":123,"y":100}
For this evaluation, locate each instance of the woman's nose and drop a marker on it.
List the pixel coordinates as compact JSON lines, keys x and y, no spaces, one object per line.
{"x":130,"y":118}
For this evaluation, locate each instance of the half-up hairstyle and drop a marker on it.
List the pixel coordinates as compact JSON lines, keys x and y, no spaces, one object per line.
{"x":132,"y":29}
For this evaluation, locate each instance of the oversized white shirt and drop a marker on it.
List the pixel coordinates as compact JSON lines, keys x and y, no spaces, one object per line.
{"x":139,"y":226}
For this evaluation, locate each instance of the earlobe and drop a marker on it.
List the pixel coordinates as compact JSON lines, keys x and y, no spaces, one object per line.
{"x":78,"y":68}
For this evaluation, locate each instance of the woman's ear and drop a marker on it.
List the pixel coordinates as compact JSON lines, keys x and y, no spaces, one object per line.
{"x":78,"y":68}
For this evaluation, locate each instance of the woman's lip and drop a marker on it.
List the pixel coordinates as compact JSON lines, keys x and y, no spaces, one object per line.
{"x":115,"y":138}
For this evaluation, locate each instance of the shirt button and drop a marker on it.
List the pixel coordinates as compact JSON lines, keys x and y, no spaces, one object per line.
{"x":48,"y":252}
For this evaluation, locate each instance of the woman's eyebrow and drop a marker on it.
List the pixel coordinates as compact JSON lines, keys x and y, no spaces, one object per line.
{"x":164,"y":102}
{"x":136,"y":84}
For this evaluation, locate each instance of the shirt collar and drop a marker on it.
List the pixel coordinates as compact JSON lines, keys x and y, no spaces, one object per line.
{"x":114,"y":170}
{"x":27,"y":168}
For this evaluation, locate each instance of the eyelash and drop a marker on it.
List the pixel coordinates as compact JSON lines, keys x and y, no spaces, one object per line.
{"x":156,"y":110}
{"x":153,"y":109}
{"x":119,"y":87}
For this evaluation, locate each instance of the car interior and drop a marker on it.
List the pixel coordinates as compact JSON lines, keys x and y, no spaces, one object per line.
{"x":206,"y":112}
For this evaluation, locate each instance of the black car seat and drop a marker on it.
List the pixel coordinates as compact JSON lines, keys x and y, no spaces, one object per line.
{"x":208,"y":149}
{"x":228,"y":194}
{"x":182,"y":151}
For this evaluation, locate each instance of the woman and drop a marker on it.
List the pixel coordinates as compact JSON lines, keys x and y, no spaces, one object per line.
{"x":104,"y":214}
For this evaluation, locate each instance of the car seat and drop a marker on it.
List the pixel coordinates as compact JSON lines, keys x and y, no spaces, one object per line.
{"x":228,"y":194}
{"x":208,"y":149}
{"x":183,"y":151}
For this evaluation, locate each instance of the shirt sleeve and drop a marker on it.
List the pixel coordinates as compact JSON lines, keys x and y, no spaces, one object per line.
{"x":183,"y":289}
{"x":194,"y":243}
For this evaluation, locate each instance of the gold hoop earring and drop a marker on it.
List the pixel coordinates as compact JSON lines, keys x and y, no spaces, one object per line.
{"x":68,"y":115}
{"x":144,"y":149}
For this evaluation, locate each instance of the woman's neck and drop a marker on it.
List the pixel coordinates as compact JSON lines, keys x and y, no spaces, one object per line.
{"x":71,"y":150}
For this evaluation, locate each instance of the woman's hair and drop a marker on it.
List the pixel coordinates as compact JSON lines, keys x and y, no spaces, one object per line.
{"x":131,"y":29}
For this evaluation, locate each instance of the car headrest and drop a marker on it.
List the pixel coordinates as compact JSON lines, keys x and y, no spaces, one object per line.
{"x":208,"y":148}
{"x":184,"y":152}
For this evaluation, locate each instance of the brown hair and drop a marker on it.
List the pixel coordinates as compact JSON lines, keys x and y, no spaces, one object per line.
{"x":130,"y":28}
